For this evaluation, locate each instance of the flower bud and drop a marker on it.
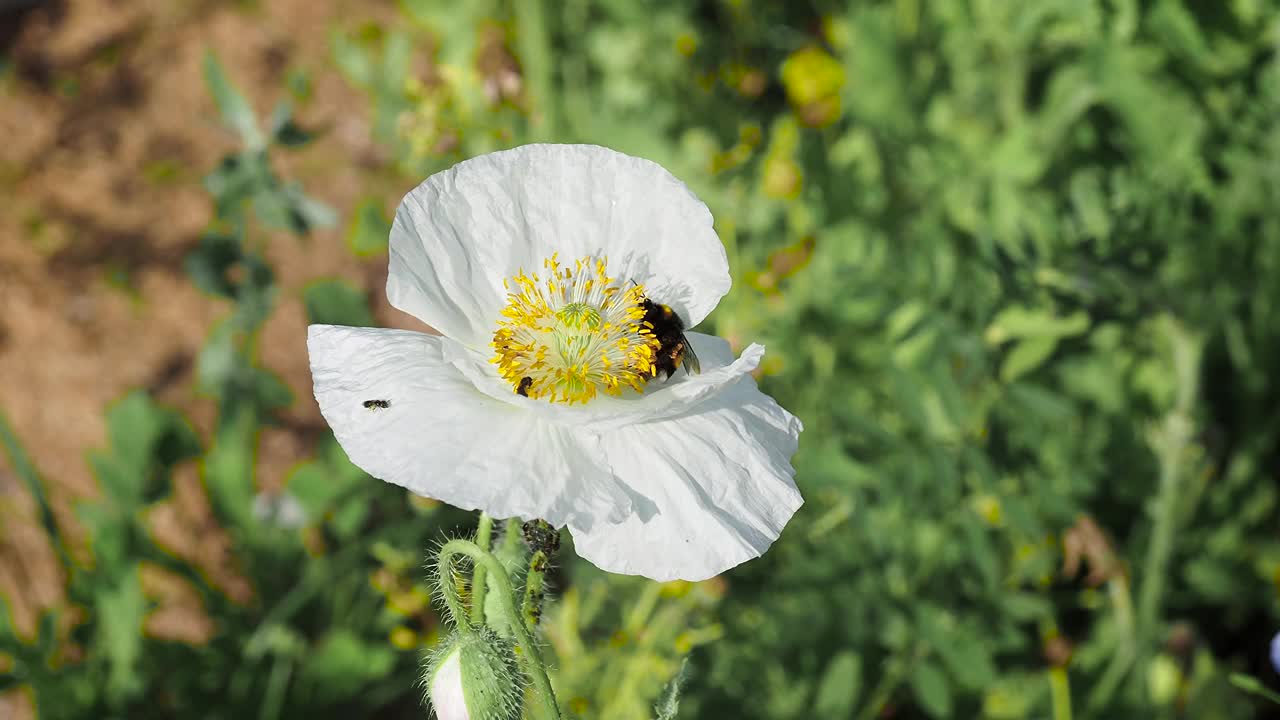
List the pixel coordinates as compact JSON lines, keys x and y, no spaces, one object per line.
{"x":1275,"y":652}
{"x":473,"y":676}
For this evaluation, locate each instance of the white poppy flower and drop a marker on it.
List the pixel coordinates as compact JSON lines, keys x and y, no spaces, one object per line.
{"x":539,"y":400}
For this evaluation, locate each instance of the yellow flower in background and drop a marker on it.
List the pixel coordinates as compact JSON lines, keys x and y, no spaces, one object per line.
{"x":813,"y":81}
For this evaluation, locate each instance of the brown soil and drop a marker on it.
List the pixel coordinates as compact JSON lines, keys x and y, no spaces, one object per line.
{"x":107,"y":130}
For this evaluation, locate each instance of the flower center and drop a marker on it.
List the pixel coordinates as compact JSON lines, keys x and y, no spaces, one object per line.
{"x":572,"y":332}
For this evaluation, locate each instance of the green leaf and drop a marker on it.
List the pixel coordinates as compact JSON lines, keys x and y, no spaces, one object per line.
{"x":269,"y":390}
{"x":144,"y":438}
{"x":343,"y":663}
{"x":235,"y":109}
{"x":352,"y":59}
{"x":121,"y":608}
{"x":275,"y":210}
{"x":134,"y":425}
{"x":1017,"y":322}
{"x":1012,"y":697}
{"x":210,"y":263}
{"x":349,"y":517}
{"x":1017,"y":158}
{"x":217,"y":363}
{"x":668,"y":705}
{"x":1254,"y":686}
{"x":255,"y":294}
{"x":963,"y":653}
{"x":1090,"y":203}
{"x":305,"y":212}
{"x":967,"y":659}
{"x":309,"y":484}
{"x":319,"y":484}
{"x":234,"y":182}
{"x":20,"y":462}
{"x":1026,"y":356}
{"x":336,"y":302}
{"x":1025,"y":607}
{"x":369,"y":230}
{"x":284,"y":131}
{"x":839,"y":687}
{"x":1211,"y":579}
{"x":929,"y":685}
{"x":299,"y":84}
{"x":229,"y":466}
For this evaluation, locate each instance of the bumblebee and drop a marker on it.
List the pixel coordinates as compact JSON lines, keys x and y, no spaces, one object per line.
{"x":525,"y":383}
{"x":674,"y":350}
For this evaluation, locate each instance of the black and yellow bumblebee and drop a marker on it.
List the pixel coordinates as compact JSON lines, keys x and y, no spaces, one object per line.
{"x":674,"y":350}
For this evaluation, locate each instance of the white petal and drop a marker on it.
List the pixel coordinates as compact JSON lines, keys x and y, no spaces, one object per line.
{"x":661,"y":398}
{"x":440,"y":438}
{"x":460,"y":233}
{"x":447,"y":695}
{"x":712,"y":487}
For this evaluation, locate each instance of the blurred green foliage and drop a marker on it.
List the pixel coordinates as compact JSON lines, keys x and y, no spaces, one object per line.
{"x":1017,"y":265}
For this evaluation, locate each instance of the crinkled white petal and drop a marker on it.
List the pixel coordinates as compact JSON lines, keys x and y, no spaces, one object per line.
{"x":440,"y":438}
{"x":661,"y":398}
{"x":712,"y":487}
{"x":447,"y":696}
{"x":460,"y":233}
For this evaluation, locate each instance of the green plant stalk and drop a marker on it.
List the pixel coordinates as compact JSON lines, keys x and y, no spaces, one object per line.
{"x":535,"y":54}
{"x":1170,"y":442}
{"x":643,"y":608}
{"x":511,"y":553}
{"x":1156,"y":565}
{"x":1126,"y":648}
{"x":894,"y":675}
{"x":1060,"y":688}
{"x":484,"y":533}
{"x":277,"y":687}
{"x":530,"y":656}
{"x":534,"y":589}
{"x":654,"y":626}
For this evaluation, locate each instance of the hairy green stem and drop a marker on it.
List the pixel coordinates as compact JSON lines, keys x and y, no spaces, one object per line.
{"x":530,"y":656}
{"x":511,"y":536}
{"x":543,"y":540}
{"x":484,"y":532}
{"x":534,"y":589}
{"x":449,"y":587}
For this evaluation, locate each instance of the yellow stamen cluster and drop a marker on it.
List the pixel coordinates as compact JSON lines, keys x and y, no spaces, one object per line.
{"x":573,"y":331}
